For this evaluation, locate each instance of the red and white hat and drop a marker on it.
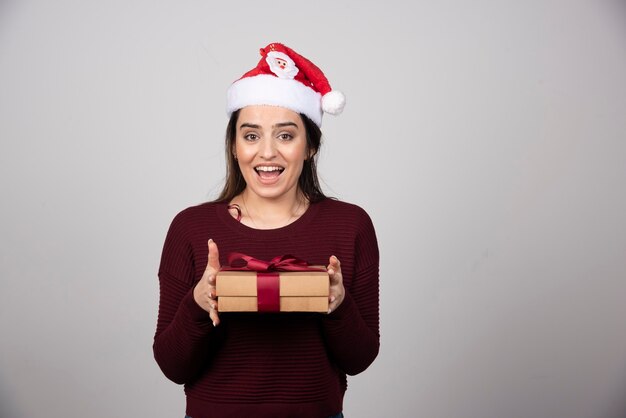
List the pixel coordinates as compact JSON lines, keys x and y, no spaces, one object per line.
{"x":284,"y":78}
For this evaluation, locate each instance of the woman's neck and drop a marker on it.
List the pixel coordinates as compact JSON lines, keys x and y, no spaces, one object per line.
{"x":262,"y":213}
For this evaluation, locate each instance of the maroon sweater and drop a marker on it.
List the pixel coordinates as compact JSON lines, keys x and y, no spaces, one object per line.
{"x":267,"y":364}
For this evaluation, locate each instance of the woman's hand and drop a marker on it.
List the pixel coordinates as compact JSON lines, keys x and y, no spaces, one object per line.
{"x":204,"y":293}
{"x":337,"y":291}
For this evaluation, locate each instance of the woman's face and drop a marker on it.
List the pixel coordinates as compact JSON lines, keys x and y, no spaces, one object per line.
{"x":270,"y":147}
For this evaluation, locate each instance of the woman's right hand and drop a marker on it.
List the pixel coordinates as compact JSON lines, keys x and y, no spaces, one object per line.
{"x":204,"y":293}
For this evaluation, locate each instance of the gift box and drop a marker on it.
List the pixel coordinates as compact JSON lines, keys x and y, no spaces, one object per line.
{"x":284,"y":284}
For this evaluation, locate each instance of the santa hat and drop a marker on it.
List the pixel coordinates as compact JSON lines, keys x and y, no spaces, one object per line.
{"x":284,"y":78}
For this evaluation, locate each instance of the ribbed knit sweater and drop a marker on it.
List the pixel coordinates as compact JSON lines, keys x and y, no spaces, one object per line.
{"x":267,"y":364}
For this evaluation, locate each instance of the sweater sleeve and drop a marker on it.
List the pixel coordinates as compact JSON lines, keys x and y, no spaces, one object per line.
{"x":352,"y":331}
{"x":183,"y":327}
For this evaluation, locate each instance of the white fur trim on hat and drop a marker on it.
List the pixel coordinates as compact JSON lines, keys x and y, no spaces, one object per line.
{"x":270,"y":90}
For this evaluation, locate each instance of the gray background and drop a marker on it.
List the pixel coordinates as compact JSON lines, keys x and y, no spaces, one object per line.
{"x":486,"y":139}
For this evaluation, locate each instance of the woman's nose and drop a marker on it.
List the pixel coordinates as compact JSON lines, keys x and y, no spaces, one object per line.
{"x":268,"y":148}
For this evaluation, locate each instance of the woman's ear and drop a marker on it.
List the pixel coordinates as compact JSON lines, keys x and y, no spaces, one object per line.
{"x":311,"y":153}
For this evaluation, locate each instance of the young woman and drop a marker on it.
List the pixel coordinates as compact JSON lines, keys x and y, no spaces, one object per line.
{"x":269,"y":364}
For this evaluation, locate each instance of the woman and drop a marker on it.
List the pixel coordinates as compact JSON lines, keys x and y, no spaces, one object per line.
{"x":269,"y":364}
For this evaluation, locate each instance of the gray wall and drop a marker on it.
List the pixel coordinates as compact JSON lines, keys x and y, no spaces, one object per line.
{"x":486,"y":139}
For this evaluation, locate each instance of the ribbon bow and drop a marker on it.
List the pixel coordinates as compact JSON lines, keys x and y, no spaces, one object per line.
{"x":278,"y":263}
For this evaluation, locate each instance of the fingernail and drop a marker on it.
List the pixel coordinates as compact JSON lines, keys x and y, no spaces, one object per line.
{"x":210,"y":240}
{"x":212,"y":306}
{"x":214,"y":324}
{"x":329,"y":310}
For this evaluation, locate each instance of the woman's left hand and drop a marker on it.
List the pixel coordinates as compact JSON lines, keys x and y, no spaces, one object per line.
{"x":337,"y":291}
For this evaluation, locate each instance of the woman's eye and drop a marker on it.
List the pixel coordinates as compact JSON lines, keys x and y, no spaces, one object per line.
{"x":251,"y":137}
{"x":285,"y":137}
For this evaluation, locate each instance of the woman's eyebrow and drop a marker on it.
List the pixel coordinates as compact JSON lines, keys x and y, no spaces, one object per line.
{"x":278,"y":125}
{"x":249,"y":125}
{"x":284,"y":124}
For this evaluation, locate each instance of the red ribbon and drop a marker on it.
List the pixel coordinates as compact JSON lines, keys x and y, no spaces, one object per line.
{"x":268,"y":292}
{"x":267,"y":276}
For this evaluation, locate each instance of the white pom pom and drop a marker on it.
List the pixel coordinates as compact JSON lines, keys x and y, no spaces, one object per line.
{"x":333,"y":102}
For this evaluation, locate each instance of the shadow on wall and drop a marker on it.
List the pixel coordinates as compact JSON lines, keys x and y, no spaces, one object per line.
{"x":619,"y":7}
{"x":7,"y":7}
{"x":617,"y":404}
{"x":7,"y":407}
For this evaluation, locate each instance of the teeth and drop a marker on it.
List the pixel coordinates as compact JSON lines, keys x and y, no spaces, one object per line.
{"x":265,"y":168}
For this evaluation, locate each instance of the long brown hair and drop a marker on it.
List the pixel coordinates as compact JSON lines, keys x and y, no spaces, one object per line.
{"x":308,"y":183}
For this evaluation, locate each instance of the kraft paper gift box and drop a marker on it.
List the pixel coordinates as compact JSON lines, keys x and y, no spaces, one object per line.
{"x":278,"y":291}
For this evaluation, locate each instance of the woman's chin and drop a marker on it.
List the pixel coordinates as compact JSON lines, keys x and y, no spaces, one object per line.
{"x":268,"y":191}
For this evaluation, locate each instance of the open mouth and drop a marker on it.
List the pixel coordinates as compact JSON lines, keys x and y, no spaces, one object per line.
{"x":269,"y":172}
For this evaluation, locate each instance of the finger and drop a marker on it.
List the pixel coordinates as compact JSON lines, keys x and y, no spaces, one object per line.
{"x":214,"y":256}
{"x":332,"y":303}
{"x":213,"y":312}
{"x":334,"y":268}
{"x":214,"y":317}
{"x":334,"y":264}
{"x":211,"y":278}
{"x":334,"y":300}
